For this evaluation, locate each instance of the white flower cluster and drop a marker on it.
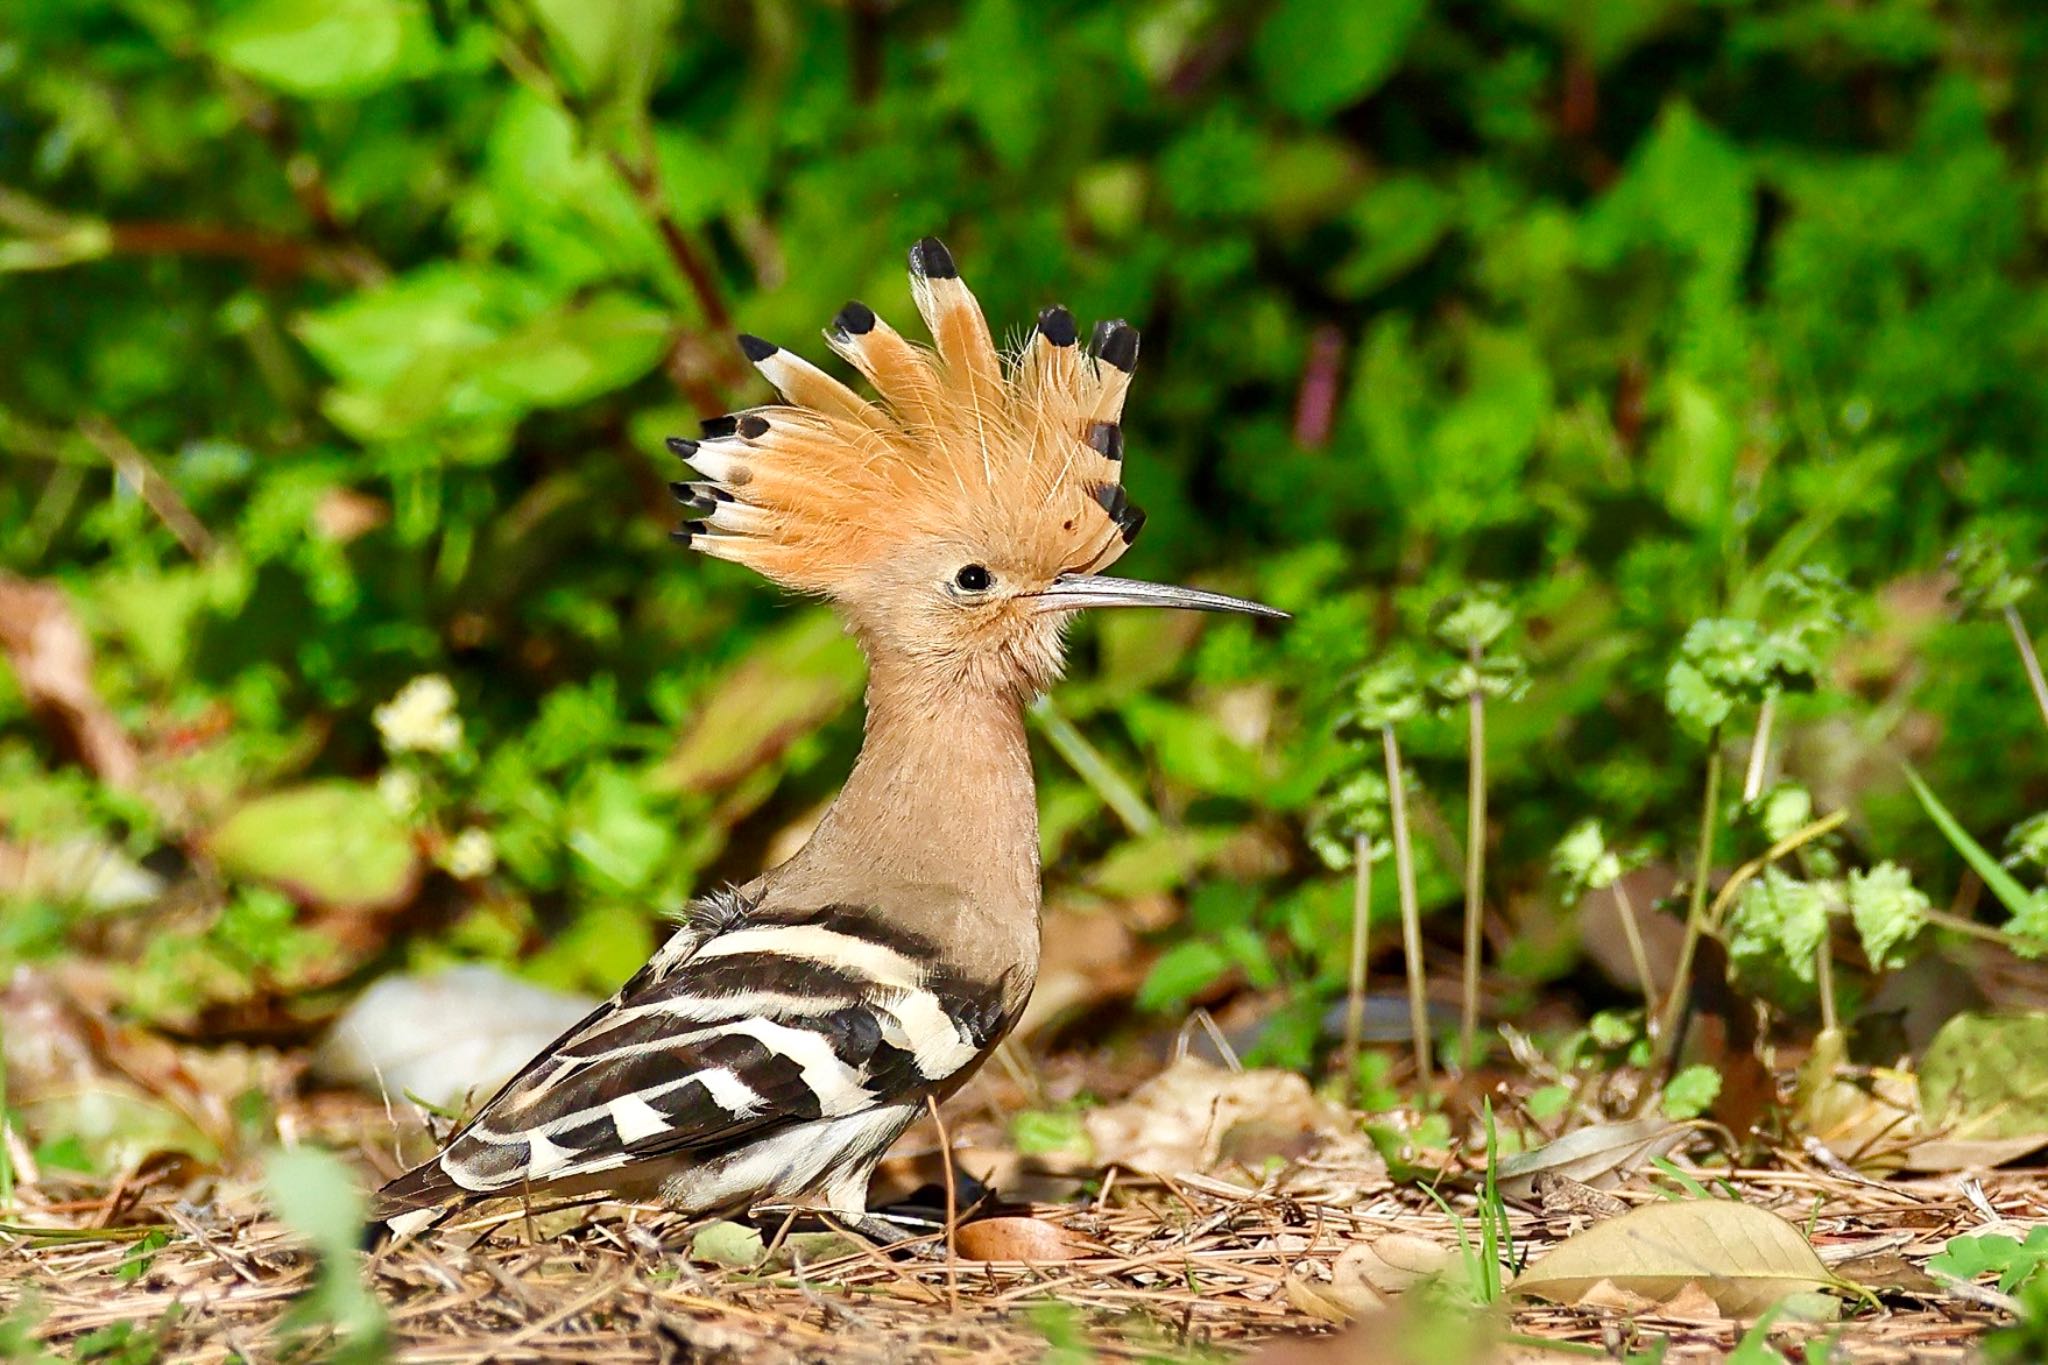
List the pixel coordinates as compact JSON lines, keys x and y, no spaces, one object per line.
{"x":399,"y":788}
{"x":421,"y":718}
{"x":471,"y":855}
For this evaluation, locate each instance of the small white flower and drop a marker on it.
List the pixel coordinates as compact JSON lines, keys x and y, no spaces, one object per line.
{"x":472,"y":855}
{"x":399,"y":789}
{"x":421,"y":717}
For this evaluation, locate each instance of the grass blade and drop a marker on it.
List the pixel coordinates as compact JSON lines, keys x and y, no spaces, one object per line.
{"x":2003,"y":884}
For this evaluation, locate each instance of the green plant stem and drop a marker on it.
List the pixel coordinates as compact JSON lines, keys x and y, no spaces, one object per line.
{"x":1354,"y":996}
{"x":2029,"y":659}
{"x":1475,"y":871}
{"x":1696,"y":904}
{"x":1411,"y":911}
{"x":1638,"y":955}
{"x":1797,"y":839}
{"x":1942,"y":919}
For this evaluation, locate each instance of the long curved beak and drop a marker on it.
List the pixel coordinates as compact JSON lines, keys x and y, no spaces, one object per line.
{"x":1073,"y":591}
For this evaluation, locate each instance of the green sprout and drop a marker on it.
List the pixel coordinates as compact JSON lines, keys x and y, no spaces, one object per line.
{"x":1348,"y":829}
{"x":1470,"y":626}
{"x":1386,"y":694}
{"x":1726,"y":663}
{"x":1583,"y":862}
{"x":1987,"y":584}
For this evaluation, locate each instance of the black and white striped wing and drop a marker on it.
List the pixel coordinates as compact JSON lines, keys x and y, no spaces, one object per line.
{"x":745,"y":1024}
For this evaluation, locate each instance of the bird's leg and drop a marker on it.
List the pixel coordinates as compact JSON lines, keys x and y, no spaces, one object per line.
{"x":889,"y":1235}
{"x":886,"y":1234}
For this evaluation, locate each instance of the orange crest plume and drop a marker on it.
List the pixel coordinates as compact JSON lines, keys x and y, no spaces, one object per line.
{"x":967,"y":446}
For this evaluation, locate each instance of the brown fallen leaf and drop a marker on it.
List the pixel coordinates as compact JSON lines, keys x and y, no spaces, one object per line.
{"x":1690,"y":1304}
{"x":1193,"y":1115}
{"x":1600,"y":1157}
{"x":1318,"y":1301}
{"x":1390,"y":1264}
{"x":1745,"y":1257}
{"x":1608,"y":1297}
{"x":1015,"y":1239}
{"x":52,"y":660}
{"x":1869,"y":1118}
{"x":1940,"y":1154}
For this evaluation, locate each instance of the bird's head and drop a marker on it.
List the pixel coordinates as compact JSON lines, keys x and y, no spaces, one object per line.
{"x":961,"y":521}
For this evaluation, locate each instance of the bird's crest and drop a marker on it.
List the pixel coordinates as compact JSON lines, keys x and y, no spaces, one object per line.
{"x":966,"y":444}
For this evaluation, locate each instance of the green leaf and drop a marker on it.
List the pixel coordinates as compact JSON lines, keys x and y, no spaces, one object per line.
{"x":1183,"y":972}
{"x":109,"y":1128}
{"x":607,"y":51}
{"x":329,"y":843}
{"x":1316,"y":58}
{"x":574,"y":353}
{"x":2013,"y":1261}
{"x":615,"y":832}
{"x":1583,"y":860}
{"x":314,"y":1195}
{"x":1784,"y":810}
{"x":1691,"y":1092}
{"x":1775,"y":933}
{"x":733,"y":1245}
{"x":2027,"y":842}
{"x":1051,"y":1132}
{"x":1470,"y":621}
{"x":1194,"y":749}
{"x":1693,"y":701}
{"x":792,"y":681}
{"x":1888,"y":911}
{"x":1986,"y":580}
{"x":1387,"y":693}
{"x":1356,"y":808}
{"x":997,"y":68}
{"x":326,"y":48}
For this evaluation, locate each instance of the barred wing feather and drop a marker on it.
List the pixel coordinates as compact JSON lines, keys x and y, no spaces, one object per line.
{"x":745,"y":1024}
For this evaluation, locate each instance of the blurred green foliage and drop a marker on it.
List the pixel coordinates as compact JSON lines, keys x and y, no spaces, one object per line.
{"x":342,"y":336}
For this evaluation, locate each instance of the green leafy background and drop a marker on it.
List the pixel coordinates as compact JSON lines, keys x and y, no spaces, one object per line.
{"x":1621,"y":305}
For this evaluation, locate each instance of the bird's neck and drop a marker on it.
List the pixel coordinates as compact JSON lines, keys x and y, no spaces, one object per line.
{"x":941,"y":797}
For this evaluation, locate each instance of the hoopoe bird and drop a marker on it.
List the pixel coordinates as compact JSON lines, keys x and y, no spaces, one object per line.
{"x":796,"y":1025}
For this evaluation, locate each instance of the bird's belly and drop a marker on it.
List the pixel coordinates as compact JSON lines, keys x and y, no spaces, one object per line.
{"x":832,"y":1157}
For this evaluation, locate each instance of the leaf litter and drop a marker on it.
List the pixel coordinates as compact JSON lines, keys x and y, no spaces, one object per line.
{"x":1220,"y":1255}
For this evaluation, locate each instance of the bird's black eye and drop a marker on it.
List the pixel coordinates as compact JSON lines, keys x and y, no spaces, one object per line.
{"x":973,"y":578}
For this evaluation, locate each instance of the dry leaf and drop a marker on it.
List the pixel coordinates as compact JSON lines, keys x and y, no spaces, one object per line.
{"x":1318,"y":1301}
{"x":1015,"y":1239}
{"x":1691,"y":1303}
{"x":1969,"y":1154}
{"x":1867,"y":1119}
{"x":1392,"y":1264}
{"x":1601,"y":1156}
{"x":1193,"y":1115}
{"x":1608,"y":1297}
{"x":52,"y":659}
{"x":1744,"y":1257}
